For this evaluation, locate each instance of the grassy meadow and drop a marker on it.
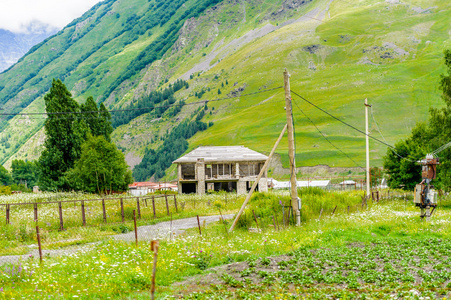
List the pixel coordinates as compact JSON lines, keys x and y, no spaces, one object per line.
{"x":384,"y":251}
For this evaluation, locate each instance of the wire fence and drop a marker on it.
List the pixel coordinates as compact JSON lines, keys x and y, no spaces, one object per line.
{"x":44,"y":228}
{"x":61,"y":227}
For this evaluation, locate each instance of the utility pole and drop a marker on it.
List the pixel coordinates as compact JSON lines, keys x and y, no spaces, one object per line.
{"x":368,"y":178}
{"x":294,"y":191}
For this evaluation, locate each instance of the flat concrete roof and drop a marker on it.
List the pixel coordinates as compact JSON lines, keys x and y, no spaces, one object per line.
{"x":221,"y":154}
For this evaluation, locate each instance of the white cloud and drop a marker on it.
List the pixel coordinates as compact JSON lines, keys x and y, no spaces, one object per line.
{"x":17,"y":15}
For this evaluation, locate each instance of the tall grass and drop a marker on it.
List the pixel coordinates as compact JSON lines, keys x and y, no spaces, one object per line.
{"x":275,"y":208}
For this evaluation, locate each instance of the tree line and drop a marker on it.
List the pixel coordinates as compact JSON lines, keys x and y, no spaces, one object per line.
{"x":159,"y":100}
{"x":155,"y":162}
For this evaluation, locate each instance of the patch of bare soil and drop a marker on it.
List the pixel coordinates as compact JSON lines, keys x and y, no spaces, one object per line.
{"x":237,"y":270}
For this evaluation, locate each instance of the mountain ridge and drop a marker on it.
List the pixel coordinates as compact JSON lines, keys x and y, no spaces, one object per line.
{"x":338,"y":53}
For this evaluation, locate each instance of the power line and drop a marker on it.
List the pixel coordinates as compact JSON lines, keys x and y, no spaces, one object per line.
{"x":353,"y":127}
{"x":322,"y":134}
{"x":347,"y":124}
{"x":142,"y":108}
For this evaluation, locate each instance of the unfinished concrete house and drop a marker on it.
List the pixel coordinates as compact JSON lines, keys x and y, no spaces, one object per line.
{"x":229,"y":168}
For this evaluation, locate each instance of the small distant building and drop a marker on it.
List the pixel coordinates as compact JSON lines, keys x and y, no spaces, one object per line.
{"x":142,"y":188}
{"x":166,"y":186}
{"x":229,"y":168}
{"x":324,"y":184}
{"x":348,"y":184}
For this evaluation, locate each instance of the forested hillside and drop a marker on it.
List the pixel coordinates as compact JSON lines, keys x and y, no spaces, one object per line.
{"x":132,"y":55}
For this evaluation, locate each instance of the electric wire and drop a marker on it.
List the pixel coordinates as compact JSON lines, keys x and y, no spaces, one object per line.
{"x":380,"y":132}
{"x":78,"y":117}
{"x":353,"y":127}
{"x":377,"y":126}
{"x":345,"y":123}
{"x":141,"y":108}
{"x":325,"y":137}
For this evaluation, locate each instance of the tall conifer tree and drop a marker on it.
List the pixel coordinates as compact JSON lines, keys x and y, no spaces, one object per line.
{"x":64,"y":136}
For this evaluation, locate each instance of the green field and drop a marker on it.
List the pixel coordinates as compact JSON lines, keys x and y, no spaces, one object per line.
{"x":384,"y":251}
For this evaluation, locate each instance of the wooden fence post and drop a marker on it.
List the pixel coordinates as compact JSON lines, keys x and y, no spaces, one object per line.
{"x":38,"y":236}
{"x":7,"y":213}
{"x":198,"y":224}
{"x":154,"y":248}
{"x":104,"y":210}
{"x":153,"y":206}
{"x":138,"y":208}
{"x":334,"y":209}
{"x":255,"y":218}
{"x":60,"y":212}
{"x":167,"y":204}
{"x":35,"y":212}
{"x":83,"y":214}
{"x":122,"y":211}
{"x":175,"y":203}
{"x":136,"y":228}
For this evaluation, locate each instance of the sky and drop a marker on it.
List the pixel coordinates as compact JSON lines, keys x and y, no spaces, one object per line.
{"x":17,"y":15}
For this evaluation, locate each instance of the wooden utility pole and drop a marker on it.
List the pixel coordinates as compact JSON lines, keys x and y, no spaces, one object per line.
{"x":291,"y":154}
{"x":368,"y":178}
{"x":262,"y":171}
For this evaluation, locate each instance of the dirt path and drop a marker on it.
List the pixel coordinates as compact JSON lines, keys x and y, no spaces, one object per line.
{"x":162,"y":230}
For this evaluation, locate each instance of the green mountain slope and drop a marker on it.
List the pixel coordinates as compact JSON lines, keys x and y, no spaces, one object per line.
{"x":338,"y":54}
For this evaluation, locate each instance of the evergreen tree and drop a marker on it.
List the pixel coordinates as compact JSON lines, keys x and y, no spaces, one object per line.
{"x":105,"y":123}
{"x":91,"y":115}
{"x":64,"y":136}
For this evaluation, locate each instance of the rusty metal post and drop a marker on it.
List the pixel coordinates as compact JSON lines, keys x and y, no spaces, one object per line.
{"x":136,"y":228}
{"x":35,"y":207}
{"x":167,"y":204}
{"x":83,"y":214}
{"x":104,"y":210}
{"x":122,"y":210}
{"x":145,"y":201}
{"x":175,"y":203}
{"x":138,"y":207}
{"x":7,"y":214}
{"x":60,"y":212}
{"x":334,"y":209}
{"x":153,"y":206}
{"x":38,"y":236}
